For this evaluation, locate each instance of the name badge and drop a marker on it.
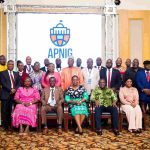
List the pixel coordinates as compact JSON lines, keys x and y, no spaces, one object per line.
{"x":89,"y":81}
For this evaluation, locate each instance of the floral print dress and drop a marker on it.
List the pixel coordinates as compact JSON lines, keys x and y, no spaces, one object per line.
{"x":77,"y":95}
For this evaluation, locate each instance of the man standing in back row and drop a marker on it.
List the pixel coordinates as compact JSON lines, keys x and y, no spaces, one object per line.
{"x":68,"y":72}
{"x":91,"y":76}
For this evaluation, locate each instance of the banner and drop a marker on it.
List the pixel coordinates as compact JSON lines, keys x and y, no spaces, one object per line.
{"x":59,"y":36}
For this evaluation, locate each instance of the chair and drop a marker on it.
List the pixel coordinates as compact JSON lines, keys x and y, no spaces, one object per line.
{"x":49,"y":116}
{"x":68,"y":117}
{"x":105,"y":115}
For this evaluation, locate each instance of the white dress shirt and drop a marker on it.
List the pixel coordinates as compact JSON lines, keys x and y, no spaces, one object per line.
{"x":51,"y":102}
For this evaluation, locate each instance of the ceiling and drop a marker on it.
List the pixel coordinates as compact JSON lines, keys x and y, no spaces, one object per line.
{"x":125,"y":4}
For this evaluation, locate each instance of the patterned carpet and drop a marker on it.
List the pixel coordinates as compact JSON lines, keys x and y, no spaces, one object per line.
{"x":70,"y":141}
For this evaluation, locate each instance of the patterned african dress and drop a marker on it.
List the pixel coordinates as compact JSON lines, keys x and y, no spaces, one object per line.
{"x":37,"y":80}
{"x":22,"y":114}
{"x":77,"y":95}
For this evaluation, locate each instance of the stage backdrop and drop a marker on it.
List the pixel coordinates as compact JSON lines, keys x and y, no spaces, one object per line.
{"x":59,"y":36}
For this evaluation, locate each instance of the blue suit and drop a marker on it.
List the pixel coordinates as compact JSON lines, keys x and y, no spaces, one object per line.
{"x":142,"y":83}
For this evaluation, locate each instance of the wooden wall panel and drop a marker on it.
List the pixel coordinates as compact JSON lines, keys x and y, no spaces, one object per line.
{"x":3,"y":33}
{"x":124,"y":32}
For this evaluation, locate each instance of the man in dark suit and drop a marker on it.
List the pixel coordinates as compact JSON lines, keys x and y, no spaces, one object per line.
{"x":112,"y":76}
{"x":28,"y":68}
{"x":99,"y":64}
{"x":143,"y":83}
{"x":9,"y":82}
{"x":46,"y":63}
{"x":132,"y":71}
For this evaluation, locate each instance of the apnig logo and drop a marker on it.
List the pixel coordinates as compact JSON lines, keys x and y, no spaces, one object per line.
{"x":60,"y":35}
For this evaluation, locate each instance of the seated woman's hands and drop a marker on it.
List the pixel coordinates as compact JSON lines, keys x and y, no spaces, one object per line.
{"x":133,"y":104}
{"x":26,"y":104}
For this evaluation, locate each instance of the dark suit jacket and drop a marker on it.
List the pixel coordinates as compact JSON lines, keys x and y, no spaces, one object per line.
{"x":116,"y":80}
{"x":6,"y":83}
{"x":101,"y":67}
{"x":142,"y":83}
{"x":25,"y":67}
{"x":59,"y":96}
{"x":43,"y":69}
{"x":131,"y":73}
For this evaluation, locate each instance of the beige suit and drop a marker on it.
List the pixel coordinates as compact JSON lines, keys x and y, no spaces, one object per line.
{"x":59,"y":97}
{"x":90,"y":79}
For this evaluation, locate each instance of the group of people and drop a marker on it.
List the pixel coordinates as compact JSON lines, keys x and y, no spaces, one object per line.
{"x":75,"y":85}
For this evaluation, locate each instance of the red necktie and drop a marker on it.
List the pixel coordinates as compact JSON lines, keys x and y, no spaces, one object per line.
{"x":109,"y":78}
{"x":147,"y":76}
{"x":12,"y":79}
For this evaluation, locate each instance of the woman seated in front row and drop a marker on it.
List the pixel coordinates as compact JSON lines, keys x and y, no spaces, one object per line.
{"x":77,"y":96}
{"x":25,"y":113}
{"x":130,"y":105}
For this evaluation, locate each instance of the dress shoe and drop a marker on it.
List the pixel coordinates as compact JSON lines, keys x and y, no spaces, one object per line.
{"x":45,"y":131}
{"x":59,"y":131}
{"x":116,"y":132}
{"x":99,"y":132}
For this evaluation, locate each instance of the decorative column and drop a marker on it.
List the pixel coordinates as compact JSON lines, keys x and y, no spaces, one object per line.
{"x":111,"y":30}
{"x":10,"y":10}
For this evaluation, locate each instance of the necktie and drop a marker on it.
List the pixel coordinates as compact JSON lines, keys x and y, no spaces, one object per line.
{"x":29,"y":68}
{"x":12,"y":80}
{"x":52,"y":94}
{"x":147,"y":76}
{"x":109,"y":78}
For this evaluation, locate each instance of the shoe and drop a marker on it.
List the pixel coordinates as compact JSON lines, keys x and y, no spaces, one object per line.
{"x":81,"y":133}
{"x":99,"y":132}
{"x":134,"y":131}
{"x":59,"y":131}
{"x":116,"y":132}
{"x":76,"y":131}
{"x":139,"y":131}
{"x":45,"y":131}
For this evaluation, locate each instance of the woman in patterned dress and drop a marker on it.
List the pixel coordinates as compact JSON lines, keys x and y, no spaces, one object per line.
{"x":76,"y":96}
{"x":25,"y":112}
{"x":36,"y":77}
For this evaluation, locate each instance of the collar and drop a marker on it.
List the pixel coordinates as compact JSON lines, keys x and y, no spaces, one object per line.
{"x":52,"y":88}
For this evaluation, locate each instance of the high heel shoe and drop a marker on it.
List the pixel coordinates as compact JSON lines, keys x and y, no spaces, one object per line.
{"x":77,"y":131}
{"x":80,"y":132}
